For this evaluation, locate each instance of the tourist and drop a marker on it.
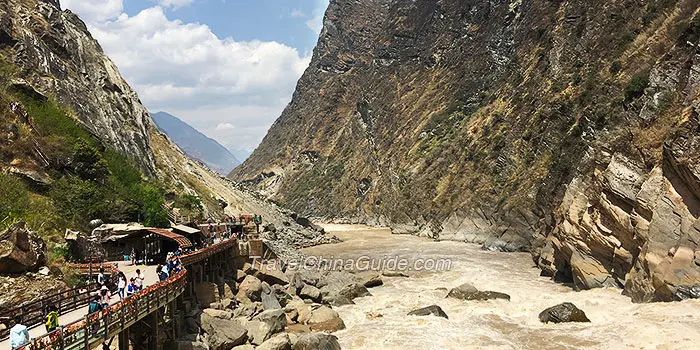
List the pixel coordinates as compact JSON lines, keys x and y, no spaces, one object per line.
{"x":19,"y":334}
{"x":93,"y":307}
{"x":131,"y":288}
{"x":101,"y":277}
{"x":105,"y":297}
{"x":132,"y":257}
{"x":162,"y":274}
{"x":139,"y":279}
{"x":51,"y":318}
{"x":121,"y":285}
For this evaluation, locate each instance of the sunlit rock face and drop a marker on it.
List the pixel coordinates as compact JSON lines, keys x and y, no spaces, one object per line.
{"x":57,"y":56}
{"x":568,"y":129}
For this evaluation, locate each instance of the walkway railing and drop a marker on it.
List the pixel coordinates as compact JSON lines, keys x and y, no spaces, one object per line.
{"x":97,"y":328}
{"x":32,"y":313}
{"x":205,"y":253}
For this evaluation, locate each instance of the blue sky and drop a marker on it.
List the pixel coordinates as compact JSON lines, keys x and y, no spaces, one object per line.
{"x":284,"y":21}
{"x":226,"y":67}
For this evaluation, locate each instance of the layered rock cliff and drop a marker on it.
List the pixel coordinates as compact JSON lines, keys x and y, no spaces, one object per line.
{"x":566,"y":128}
{"x":54,"y":57}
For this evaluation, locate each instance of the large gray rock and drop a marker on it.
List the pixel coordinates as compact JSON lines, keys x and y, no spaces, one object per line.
{"x":271,"y":274}
{"x":259,"y":331}
{"x":223,"y":334}
{"x":337,"y":288}
{"x":270,"y":302}
{"x":429,"y":310}
{"x":21,"y":250}
{"x":566,"y":312}
{"x":310,"y":292}
{"x":250,"y":289}
{"x":317,"y":341}
{"x":325,"y":319}
{"x":304,"y":276}
{"x":276,"y":319}
{"x":279,"y":342}
{"x":469,"y":292}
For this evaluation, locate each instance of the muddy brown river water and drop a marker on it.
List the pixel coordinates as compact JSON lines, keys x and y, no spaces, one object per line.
{"x":380,"y":321}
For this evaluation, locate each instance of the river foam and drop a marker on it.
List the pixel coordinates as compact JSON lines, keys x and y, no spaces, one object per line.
{"x":380,"y":321}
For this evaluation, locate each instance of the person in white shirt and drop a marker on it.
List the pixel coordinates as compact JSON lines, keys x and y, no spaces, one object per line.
{"x":121,"y":285}
{"x":139,"y":279}
{"x":19,"y":335}
{"x":101,"y":277}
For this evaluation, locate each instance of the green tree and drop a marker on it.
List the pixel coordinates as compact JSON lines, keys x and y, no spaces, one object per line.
{"x":78,"y":200}
{"x":88,"y":163}
{"x":14,"y":199}
{"x":151,"y":202}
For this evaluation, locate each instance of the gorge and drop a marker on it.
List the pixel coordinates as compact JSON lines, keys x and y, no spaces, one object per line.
{"x":568,"y":129}
{"x":547,"y":151}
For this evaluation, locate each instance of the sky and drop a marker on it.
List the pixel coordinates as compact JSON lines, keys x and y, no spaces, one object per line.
{"x":226,"y":67}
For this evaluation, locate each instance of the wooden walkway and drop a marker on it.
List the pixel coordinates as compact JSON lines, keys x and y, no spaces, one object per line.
{"x":94,"y":330}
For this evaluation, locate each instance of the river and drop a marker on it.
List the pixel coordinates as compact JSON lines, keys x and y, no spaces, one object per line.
{"x":380,"y":321}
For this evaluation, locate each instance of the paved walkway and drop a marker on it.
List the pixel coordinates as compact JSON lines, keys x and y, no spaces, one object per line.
{"x":77,"y":314}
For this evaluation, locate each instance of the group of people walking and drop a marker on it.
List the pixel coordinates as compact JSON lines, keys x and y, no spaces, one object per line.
{"x":172,"y":267}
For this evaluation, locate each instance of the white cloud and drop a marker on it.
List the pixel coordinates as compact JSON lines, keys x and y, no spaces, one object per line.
{"x":316,"y":22}
{"x":175,"y":3}
{"x":225,"y":126}
{"x":296,"y":13}
{"x":94,"y":10}
{"x":186,"y":70}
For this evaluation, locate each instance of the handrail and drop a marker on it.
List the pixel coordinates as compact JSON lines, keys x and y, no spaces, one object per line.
{"x":68,"y":300}
{"x":100,"y":326}
{"x":195,"y":257}
{"x":120,"y":316}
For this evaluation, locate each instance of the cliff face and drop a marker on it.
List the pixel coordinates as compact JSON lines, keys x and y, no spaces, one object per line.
{"x":55,"y":57}
{"x":566,"y":128}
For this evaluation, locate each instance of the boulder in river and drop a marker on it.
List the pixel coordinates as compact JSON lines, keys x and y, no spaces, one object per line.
{"x":21,"y":250}
{"x":429,"y":310}
{"x":469,"y":292}
{"x":223,"y":334}
{"x":317,"y":341}
{"x":325,"y":319}
{"x":566,"y":312}
{"x":370,"y":279}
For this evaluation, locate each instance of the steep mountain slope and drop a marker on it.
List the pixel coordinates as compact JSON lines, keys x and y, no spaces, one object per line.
{"x":195,"y":144}
{"x":55,"y":52}
{"x":567,"y":128}
{"x":57,"y":69}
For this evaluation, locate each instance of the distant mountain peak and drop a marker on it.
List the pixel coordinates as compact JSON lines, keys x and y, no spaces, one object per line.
{"x":195,"y":144}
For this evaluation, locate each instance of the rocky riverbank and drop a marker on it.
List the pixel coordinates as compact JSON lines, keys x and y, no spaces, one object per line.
{"x":262,"y":307}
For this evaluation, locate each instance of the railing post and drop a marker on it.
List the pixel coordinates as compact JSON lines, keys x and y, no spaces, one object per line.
{"x":106,"y":321}
{"x":63,"y":337}
{"x":87,"y":333}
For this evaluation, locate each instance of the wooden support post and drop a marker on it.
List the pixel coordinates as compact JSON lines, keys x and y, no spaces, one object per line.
{"x":124,"y":339}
